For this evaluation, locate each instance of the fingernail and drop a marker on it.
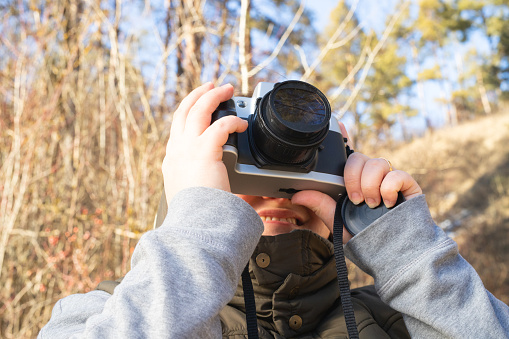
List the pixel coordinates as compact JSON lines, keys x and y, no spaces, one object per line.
{"x":227,"y":85}
{"x":389,"y":203}
{"x":355,"y":198}
{"x":371,"y":202}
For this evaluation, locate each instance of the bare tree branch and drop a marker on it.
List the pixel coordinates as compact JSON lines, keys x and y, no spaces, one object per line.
{"x":349,"y":37}
{"x":330,"y":43}
{"x":242,"y":47}
{"x":366,"y":50}
{"x":371,"y":59}
{"x":281,"y":42}
{"x":303,"y":58}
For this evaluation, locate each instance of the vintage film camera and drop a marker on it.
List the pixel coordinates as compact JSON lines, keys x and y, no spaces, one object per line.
{"x":292,"y":143}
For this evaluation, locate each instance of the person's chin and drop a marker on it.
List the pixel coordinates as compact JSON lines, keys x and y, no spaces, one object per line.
{"x":275,"y":228}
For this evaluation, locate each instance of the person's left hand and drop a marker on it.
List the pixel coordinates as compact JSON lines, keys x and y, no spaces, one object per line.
{"x":366,"y":179}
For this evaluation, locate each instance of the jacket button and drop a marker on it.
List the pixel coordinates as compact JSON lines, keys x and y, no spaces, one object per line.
{"x":295,"y":322}
{"x":293,"y":292}
{"x":262,"y":260}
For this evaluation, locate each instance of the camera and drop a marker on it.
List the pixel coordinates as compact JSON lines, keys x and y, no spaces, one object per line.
{"x":292,"y":143}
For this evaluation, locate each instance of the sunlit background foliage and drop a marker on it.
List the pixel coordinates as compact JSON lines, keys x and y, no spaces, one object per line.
{"x":88,"y":88}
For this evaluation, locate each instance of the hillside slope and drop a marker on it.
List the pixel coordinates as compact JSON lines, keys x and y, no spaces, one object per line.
{"x":464,"y":172}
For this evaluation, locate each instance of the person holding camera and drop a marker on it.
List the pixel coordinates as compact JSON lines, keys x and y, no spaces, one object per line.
{"x":184,"y":280}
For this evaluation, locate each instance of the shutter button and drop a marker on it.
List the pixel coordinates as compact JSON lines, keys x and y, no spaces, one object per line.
{"x":295,"y":322}
{"x":262,"y":260}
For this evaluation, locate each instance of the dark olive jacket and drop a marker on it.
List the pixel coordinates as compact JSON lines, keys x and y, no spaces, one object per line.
{"x":297,"y":295}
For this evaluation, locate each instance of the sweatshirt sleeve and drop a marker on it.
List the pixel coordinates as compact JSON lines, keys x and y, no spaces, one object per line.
{"x":182,"y":275}
{"x":418,"y":271}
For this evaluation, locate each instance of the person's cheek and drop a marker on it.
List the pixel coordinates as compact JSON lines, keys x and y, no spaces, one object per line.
{"x":250,"y":199}
{"x":246,"y":198}
{"x":316,"y":225}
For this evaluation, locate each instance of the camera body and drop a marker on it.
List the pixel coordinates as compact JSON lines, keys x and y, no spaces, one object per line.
{"x":293,"y":142}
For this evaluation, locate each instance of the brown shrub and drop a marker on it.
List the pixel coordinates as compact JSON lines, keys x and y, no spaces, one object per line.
{"x":80,"y":159}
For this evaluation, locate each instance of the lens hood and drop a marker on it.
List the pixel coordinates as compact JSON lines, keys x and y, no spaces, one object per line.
{"x":290,"y":122}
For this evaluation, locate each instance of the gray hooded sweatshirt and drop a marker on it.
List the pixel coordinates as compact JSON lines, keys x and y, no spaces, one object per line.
{"x":186,"y":271}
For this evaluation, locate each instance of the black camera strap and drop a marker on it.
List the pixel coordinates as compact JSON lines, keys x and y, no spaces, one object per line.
{"x":249,"y":300}
{"x":344,"y":287}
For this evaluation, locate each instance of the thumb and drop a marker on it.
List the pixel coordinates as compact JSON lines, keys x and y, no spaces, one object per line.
{"x":322,"y":205}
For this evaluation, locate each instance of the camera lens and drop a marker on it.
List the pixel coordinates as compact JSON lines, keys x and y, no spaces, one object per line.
{"x":291,"y":122}
{"x":296,"y":106}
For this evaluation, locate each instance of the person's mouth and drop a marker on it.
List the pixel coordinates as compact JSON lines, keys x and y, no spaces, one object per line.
{"x":281,"y":216}
{"x":288,"y":220}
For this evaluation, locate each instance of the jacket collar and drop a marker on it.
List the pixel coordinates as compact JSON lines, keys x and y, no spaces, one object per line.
{"x":300,"y":279}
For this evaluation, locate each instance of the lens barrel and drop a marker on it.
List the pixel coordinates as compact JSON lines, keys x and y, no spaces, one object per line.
{"x":291,"y":122}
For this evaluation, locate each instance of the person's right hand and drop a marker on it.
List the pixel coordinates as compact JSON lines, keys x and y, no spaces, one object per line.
{"x":194,"y":151}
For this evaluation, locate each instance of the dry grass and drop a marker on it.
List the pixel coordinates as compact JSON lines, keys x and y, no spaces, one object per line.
{"x":464,"y":172}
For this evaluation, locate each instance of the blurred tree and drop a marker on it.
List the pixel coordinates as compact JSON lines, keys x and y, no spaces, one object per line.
{"x":459,"y":20}
{"x":371,"y":96}
{"x":435,"y":20}
{"x":208,"y":45}
{"x":273,"y":22}
{"x":491,"y":17}
{"x":384,"y":88}
{"x":472,"y":97}
{"x":342,"y":63}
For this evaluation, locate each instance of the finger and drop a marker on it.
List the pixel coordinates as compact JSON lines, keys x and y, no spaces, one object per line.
{"x":373,"y":173}
{"x":395,"y":182}
{"x":322,"y":205}
{"x":389,"y":164}
{"x":352,"y":175}
{"x":180,"y":115}
{"x":217,"y":134}
{"x":200,"y":114}
{"x":344,"y":133}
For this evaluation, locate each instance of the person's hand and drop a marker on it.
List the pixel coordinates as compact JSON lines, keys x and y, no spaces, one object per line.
{"x":366,"y":179}
{"x":194,"y":151}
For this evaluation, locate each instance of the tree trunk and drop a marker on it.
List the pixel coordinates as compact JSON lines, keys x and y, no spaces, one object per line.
{"x":420,"y":88}
{"x":482,"y":91}
{"x":222,"y":31}
{"x":162,"y":89}
{"x":189,"y":51}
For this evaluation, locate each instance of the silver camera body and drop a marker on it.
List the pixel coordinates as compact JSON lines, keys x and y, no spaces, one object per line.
{"x":254,"y":162}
